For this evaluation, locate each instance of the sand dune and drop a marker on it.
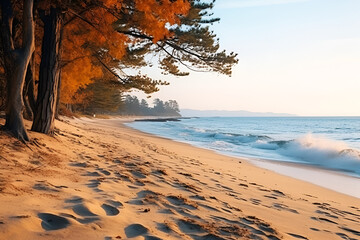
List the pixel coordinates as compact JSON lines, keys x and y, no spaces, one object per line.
{"x":97,"y":179}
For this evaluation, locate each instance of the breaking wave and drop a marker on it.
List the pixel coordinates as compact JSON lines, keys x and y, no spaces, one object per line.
{"x":323,"y":152}
{"x":274,"y":139}
{"x":310,"y":149}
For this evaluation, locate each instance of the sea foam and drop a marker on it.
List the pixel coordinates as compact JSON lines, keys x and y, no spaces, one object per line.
{"x":324,"y":152}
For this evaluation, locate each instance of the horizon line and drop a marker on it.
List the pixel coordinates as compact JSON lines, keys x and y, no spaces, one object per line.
{"x":292,"y":114}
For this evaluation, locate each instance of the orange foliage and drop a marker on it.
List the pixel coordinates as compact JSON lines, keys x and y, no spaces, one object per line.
{"x":76,"y":76}
{"x":82,"y":41}
{"x":158,"y":14}
{"x":112,"y":3}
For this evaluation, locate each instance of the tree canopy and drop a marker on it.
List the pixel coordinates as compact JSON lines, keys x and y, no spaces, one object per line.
{"x":184,"y":41}
{"x":86,"y":49}
{"x":92,"y":46}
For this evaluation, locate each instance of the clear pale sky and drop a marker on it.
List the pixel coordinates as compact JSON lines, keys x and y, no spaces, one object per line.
{"x":295,"y":56}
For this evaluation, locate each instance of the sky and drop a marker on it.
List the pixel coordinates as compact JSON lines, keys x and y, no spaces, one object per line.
{"x":295,"y":56}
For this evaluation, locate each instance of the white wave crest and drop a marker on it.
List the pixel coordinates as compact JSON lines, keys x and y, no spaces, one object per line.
{"x":323,"y":152}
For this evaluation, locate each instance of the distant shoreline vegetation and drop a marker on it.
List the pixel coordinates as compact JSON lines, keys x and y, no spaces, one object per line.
{"x":133,"y":106}
{"x":118,"y":104}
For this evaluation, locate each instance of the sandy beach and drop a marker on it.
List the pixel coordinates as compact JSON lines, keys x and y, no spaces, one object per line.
{"x":98,"y":179}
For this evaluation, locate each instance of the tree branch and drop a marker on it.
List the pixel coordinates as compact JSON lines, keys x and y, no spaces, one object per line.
{"x":109,"y":69}
{"x":167,"y":42}
{"x":178,"y":59}
{"x":28,"y":29}
{"x":78,"y":14}
{"x":66,"y":62}
{"x":84,"y":19}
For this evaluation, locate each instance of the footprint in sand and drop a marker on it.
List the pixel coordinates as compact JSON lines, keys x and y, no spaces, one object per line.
{"x":139,"y":183}
{"x":278,"y":193}
{"x":167,"y":227}
{"x":271,"y":197}
{"x":280,"y":206}
{"x":243,"y":185}
{"x":138,"y":174}
{"x":74,"y":200}
{"x":255,"y":201}
{"x":326,"y":214}
{"x":152,"y":238}
{"x":53,"y":222}
{"x":297,"y":236}
{"x":110,"y":210}
{"x":182,"y":201}
{"x":115,"y":203}
{"x":79,"y":164}
{"x":92,"y":174}
{"x":196,"y":230}
{"x":198,"y":197}
{"x":166,"y":211}
{"x":103,"y":171}
{"x":355,"y":232}
{"x":45,"y":186}
{"x":259,"y":227}
{"x":190,"y":226}
{"x":135,"y":230}
{"x":94,"y":184}
{"x":83,"y":211}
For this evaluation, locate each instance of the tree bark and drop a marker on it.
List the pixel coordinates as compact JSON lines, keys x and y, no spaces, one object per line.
{"x":16,"y":62}
{"x":49,"y":75}
{"x":58,"y":99}
{"x":29,"y":90}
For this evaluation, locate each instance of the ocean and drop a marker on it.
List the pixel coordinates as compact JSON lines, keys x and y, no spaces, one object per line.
{"x":324,"y":142}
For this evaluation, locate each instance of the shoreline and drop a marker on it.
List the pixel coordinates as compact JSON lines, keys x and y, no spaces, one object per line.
{"x":257,"y":163}
{"x":100,"y":179}
{"x":328,"y":178}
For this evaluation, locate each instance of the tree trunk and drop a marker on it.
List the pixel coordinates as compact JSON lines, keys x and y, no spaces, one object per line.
{"x":58,"y":100}
{"x":49,"y":76}
{"x":16,"y":62}
{"x":3,"y":93}
{"x":29,"y":91}
{"x":28,"y":114}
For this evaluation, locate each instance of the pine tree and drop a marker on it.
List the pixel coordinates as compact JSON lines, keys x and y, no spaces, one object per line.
{"x":93,"y":37}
